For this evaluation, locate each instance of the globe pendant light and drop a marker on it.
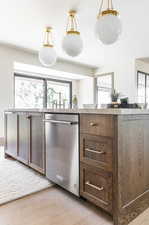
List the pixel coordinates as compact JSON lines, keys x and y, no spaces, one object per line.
{"x":108,"y":25}
{"x":72,"y":43}
{"x":47,"y":54}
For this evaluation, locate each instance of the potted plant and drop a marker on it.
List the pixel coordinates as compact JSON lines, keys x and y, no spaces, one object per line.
{"x":75,"y":102}
{"x":114,"y":96}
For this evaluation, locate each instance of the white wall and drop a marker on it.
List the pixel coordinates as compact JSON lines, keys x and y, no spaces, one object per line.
{"x":8,"y":56}
{"x":86,"y":91}
{"x":124,"y":77}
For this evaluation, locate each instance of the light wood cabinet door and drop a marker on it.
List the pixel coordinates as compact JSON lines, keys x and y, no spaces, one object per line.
{"x":96,"y":151}
{"x":96,"y":186}
{"x":36,"y":156}
{"x":11,"y":123}
{"x":100,"y":125}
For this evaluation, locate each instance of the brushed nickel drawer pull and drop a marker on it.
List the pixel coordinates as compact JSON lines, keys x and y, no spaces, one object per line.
{"x":93,"y":186}
{"x":93,"y":151}
{"x":93,"y":124}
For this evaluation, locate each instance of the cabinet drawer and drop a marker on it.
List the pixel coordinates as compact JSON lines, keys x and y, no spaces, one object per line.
{"x":96,"y":151}
{"x":102,"y":125}
{"x":96,"y":186}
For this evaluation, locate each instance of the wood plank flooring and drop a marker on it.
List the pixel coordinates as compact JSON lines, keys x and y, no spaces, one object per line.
{"x":55,"y":206}
{"x":52,"y":207}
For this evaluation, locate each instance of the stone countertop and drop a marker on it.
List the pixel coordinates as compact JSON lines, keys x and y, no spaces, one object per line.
{"x":86,"y":111}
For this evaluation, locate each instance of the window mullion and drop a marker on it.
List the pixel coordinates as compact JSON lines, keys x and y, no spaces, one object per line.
{"x":45,"y":94}
{"x":104,"y":88}
{"x":70,"y":94}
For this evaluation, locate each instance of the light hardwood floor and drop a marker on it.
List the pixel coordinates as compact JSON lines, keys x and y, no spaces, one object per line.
{"x":52,"y":207}
{"x":57,"y":207}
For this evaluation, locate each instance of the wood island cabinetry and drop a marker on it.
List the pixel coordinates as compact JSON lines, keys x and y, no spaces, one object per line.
{"x":114,"y":168}
{"x":114,"y":156}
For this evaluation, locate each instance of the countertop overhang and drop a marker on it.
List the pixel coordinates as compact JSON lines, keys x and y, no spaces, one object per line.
{"x":85,"y":111}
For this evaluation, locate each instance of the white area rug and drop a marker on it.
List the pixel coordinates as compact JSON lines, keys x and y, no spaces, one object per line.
{"x":17,"y":180}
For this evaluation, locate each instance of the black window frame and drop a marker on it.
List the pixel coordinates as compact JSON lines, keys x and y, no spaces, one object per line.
{"x":45,"y":79}
{"x":146,"y":75}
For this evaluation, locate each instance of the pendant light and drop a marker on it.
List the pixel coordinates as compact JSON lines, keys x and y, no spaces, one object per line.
{"x":108,"y":25}
{"x":72,"y":43}
{"x":47,"y":54}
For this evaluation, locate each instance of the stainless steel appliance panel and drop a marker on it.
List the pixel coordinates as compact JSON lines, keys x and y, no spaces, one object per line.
{"x":62,"y":150}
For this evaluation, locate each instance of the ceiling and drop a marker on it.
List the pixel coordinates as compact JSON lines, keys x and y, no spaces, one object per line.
{"x":22,"y":23}
{"x":145,"y":60}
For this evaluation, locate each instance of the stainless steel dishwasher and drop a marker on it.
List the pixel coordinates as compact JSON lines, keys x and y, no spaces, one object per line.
{"x":62,"y":150}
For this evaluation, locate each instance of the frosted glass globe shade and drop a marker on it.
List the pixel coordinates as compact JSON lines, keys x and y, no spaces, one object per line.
{"x":47,"y":56}
{"x":72,"y":44}
{"x":108,"y":29}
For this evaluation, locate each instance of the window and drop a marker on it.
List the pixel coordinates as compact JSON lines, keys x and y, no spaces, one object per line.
{"x":105,"y":85}
{"x":143,"y":87}
{"x":35,"y":92}
{"x":29,"y":93}
{"x":58,"y":93}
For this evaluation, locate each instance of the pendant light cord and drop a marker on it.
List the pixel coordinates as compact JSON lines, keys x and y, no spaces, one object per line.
{"x":101,"y":5}
{"x":110,"y":5}
{"x":67,"y":26}
{"x":76,"y":23}
{"x":71,"y":23}
{"x":47,"y":38}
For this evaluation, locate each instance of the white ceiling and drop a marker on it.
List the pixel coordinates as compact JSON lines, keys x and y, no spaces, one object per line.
{"x":145,"y":60}
{"x":22,"y":23}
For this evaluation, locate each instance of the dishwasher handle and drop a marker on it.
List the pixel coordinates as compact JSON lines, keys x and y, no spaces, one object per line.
{"x":60,"y":122}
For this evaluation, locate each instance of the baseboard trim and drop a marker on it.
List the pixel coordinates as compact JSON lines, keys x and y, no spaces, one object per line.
{"x":132,"y":210}
{"x":2,"y":140}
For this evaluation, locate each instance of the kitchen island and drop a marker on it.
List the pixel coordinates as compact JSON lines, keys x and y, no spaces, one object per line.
{"x":114,"y":154}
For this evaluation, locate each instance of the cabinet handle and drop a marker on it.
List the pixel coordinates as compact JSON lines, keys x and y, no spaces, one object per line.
{"x":93,"y":186}
{"x":93,"y":124}
{"x":93,"y":151}
{"x":60,"y":122}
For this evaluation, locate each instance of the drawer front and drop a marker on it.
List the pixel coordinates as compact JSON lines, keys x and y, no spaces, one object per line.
{"x":96,"y":151}
{"x":96,"y":186}
{"x":102,"y":125}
